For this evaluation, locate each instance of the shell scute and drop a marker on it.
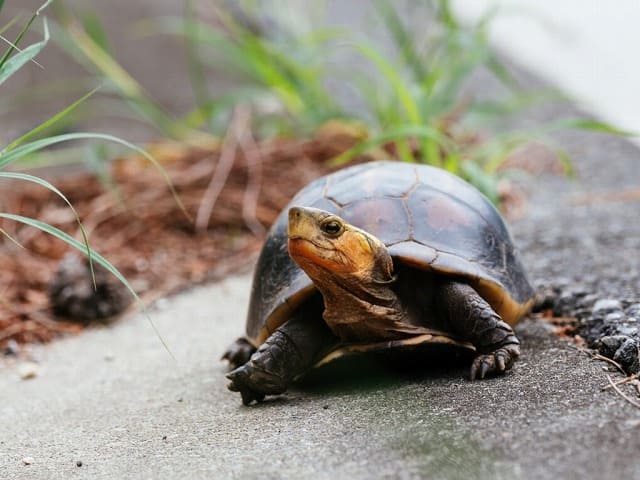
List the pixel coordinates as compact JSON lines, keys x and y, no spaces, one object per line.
{"x":366,"y":184}
{"x":385,"y":218}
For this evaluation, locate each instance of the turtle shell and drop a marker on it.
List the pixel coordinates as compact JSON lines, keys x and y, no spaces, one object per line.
{"x":428,"y":218}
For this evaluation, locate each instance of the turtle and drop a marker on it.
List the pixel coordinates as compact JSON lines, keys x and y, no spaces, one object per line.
{"x":380,"y":256}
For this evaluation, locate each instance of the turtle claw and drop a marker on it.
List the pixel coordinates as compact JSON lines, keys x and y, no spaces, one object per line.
{"x":253,"y":383}
{"x":248,"y":395}
{"x":494,"y":363}
{"x":239,"y":380}
{"x":501,"y":361}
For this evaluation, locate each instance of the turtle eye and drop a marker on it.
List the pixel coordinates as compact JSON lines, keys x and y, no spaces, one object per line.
{"x":331,"y":228}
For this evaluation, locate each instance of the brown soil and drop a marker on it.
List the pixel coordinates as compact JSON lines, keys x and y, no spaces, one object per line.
{"x":140,"y":228}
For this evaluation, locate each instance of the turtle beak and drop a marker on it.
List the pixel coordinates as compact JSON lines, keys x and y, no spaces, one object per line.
{"x":305,"y":238}
{"x":303,"y":222}
{"x":300,"y":230}
{"x":295,"y":215}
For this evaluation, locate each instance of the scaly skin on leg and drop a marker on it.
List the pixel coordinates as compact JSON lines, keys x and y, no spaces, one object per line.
{"x":289,"y":352}
{"x":472,"y":317}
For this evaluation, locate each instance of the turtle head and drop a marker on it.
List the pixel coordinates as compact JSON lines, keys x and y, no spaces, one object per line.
{"x":322,"y":244}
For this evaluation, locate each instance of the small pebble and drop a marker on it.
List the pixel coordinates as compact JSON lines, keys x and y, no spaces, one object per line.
{"x":28,"y":460}
{"x":28,"y":370}
{"x":141,"y":264}
{"x":633,"y":423}
{"x":607,"y":305}
{"x":140,"y":285}
{"x":628,"y":330}
{"x":633,"y":310}
{"x":326,"y":407}
{"x":627,"y":356}
{"x":162,"y":304}
{"x":79,"y":463}
{"x":609,"y":345}
{"x":12,"y":348}
{"x":614,"y":317}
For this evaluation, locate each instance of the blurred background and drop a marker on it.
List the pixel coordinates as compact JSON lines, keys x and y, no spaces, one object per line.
{"x":588,"y":49}
{"x":585,"y":48}
{"x":156,"y":59}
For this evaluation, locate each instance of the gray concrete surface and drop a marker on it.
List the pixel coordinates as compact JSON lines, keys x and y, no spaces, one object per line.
{"x":113,"y":399}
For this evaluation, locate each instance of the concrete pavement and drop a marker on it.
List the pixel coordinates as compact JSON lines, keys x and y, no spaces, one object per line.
{"x":113,"y":399}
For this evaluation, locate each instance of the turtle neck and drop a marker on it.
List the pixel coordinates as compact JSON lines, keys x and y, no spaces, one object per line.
{"x":359,"y":310}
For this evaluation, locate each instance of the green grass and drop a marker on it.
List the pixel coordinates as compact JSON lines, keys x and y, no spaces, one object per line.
{"x":282,"y":54}
{"x":11,"y":61}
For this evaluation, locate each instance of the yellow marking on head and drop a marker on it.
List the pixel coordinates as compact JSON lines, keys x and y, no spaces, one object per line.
{"x":321,"y":239}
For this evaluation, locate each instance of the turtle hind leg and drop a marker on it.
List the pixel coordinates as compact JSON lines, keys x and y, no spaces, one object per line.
{"x":472,"y":317}
{"x":289,"y":352}
{"x":239,"y":352}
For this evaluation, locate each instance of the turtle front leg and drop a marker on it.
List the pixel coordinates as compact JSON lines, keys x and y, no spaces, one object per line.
{"x":472,"y":317}
{"x":289,"y":352}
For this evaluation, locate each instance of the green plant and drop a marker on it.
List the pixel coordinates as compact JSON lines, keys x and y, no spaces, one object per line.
{"x":285,"y":84}
{"x":11,"y":61}
{"x":412,"y":97}
{"x":425,"y":98}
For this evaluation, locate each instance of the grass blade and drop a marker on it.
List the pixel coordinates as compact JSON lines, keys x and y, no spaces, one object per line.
{"x":294,"y":76}
{"x":401,"y":133}
{"x":565,"y":160}
{"x":48,"y":123}
{"x":501,"y":72}
{"x":13,"y":240}
{"x":590,"y":125}
{"x":11,"y":65}
{"x":395,"y":80}
{"x":11,"y":23}
{"x":402,"y":38}
{"x":195,"y":66}
{"x":28,"y":148}
{"x":33,"y":179}
{"x":69,"y":240}
{"x":80,"y":41}
{"x":94,"y":28}
{"x":446,"y":16}
{"x":104,"y":62}
{"x":483,"y":181}
{"x":5,"y":57}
